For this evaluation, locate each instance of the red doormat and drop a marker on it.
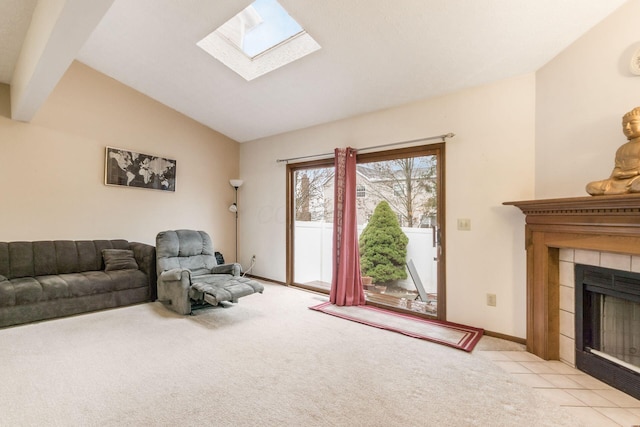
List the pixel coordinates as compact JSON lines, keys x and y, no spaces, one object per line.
{"x":451,"y":334}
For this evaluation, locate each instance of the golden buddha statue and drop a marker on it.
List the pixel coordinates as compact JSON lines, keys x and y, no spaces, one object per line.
{"x":625,"y":177}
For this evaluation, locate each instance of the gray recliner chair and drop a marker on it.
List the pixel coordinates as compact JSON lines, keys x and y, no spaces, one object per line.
{"x":190,"y":276}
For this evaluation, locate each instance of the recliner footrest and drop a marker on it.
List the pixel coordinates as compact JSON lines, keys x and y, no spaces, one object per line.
{"x":228,"y":290}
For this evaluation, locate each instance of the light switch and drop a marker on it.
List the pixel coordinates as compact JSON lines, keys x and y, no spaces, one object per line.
{"x":464,"y":224}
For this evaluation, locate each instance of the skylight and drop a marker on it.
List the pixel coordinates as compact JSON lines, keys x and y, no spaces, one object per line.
{"x":259,"y":39}
{"x":261,"y":26}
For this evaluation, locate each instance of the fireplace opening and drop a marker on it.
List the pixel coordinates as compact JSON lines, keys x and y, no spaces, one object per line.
{"x":608,"y":326}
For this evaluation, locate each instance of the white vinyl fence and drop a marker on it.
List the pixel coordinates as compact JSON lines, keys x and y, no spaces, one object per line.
{"x":313,"y":251}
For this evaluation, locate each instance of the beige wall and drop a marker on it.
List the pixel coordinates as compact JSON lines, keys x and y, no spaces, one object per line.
{"x":489,"y":161}
{"x":53,"y":168}
{"x":580,"y":99}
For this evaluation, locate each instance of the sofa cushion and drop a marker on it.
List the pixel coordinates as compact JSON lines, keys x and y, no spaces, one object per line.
{"x":67,"y":256}
{"x":21,"y":259}
{"x":44,"y":258}
{"x":119,"y":259}
{"x":7,"y":294}
{"x":53,"y":287}
{"x":89,"y":257}
{"x":89,"y":283}
{"x":128,"y":279}
{"x":27,"y":290}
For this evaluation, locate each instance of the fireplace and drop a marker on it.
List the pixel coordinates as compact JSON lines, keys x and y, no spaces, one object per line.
{"x":603,"y":225}
{"x":607,"y":317}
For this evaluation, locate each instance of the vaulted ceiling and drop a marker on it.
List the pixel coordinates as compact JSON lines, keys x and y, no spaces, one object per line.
{"x":375,"y":54}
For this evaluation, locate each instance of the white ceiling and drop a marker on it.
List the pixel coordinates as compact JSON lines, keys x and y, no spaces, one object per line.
{"x":375,"y":54}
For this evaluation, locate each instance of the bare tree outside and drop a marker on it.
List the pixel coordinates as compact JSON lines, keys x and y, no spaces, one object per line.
{"x":309,"y":193}
{"x":408,"y":185}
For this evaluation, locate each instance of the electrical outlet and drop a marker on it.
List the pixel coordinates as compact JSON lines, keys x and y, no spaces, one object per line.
{"x":491,"y":300}
{"x":464,"y":224}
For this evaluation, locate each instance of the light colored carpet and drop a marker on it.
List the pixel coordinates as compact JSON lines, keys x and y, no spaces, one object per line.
{"x":267,"y":361}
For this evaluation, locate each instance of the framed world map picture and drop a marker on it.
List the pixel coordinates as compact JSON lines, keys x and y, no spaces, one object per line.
{"x":131,"y":169}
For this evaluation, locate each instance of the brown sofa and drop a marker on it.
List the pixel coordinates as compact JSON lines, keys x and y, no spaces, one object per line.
{"x":47,"y":279}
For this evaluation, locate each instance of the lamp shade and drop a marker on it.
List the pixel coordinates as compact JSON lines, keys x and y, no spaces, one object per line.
{"x":233,"y":208}
{"x":235,"y":182}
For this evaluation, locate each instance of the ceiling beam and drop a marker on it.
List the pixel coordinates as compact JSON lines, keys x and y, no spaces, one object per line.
{"x":58,"y":29}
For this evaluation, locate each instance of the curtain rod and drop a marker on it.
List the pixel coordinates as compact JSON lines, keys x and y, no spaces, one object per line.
{"x":443,"y":137}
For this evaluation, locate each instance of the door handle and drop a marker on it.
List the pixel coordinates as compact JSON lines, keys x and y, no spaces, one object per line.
{"x":433,"y":235}
{"x":436,"y":241}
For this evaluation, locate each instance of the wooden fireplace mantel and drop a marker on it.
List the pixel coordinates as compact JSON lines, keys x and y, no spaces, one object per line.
{"x":600,"y":223}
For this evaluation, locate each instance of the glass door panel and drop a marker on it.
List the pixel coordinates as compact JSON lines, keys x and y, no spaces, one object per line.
{"x":403,"y":271}
{"x":313,"y":227}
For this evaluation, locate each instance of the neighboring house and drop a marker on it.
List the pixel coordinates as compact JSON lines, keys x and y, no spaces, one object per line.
{"x":408,"y":186}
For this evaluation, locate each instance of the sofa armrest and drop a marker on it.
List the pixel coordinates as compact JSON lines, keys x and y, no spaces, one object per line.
{"x":145,"y":256}
{"x":234,"y":269}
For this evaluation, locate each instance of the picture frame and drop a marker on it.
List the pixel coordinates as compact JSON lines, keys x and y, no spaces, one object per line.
{"x":131,"y":169}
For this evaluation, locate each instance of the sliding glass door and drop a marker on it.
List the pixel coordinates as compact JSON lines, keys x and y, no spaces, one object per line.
{"x":312,"y":222}
{"x":400,"y":198}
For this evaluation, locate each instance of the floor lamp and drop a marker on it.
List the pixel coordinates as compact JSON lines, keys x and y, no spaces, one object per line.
{"x":235,"y":183}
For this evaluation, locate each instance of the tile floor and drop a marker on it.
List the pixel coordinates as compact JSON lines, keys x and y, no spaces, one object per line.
{"x":588,"y":399}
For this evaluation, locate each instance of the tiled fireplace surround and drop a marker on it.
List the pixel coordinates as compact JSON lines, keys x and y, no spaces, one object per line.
{"x":568,"y":258}
{"x":559,"y":233}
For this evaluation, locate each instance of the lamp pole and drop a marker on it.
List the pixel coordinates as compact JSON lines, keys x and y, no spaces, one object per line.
{"x":235,"y":183}
{"x":236,"y":204}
